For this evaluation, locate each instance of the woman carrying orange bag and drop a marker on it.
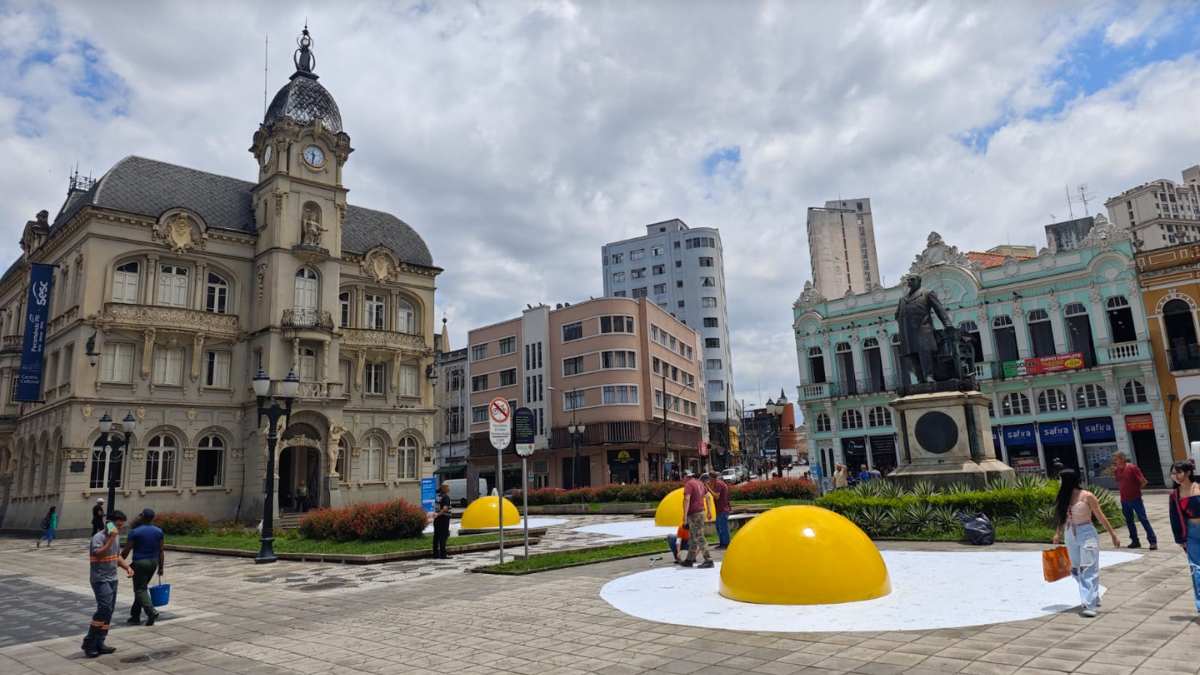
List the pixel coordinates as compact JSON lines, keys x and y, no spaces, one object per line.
{"x":1073,"y":511}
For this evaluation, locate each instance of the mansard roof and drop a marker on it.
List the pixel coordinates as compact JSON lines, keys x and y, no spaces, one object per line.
{"x":149,"y":187}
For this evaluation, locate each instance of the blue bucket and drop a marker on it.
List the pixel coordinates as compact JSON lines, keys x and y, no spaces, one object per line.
{"x":160,"y":595}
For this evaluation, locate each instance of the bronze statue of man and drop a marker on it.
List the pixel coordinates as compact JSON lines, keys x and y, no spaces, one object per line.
{"x":918,"y":343}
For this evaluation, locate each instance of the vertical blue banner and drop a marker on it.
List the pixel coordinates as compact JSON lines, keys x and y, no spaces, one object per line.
{"x":428,"y":493}
{"x":29,"y":379}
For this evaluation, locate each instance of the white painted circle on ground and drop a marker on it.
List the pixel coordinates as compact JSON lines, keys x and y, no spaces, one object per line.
{"x":643,"y":528}
{"x":929,"y":590}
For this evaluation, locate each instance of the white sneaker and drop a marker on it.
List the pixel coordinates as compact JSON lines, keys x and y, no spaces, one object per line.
{"x":1089,"y":612}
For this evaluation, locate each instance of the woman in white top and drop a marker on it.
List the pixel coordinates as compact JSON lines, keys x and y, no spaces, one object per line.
{"x":1073,"y":511}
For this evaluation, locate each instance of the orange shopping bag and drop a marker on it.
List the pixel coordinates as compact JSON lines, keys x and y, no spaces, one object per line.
{"x":683,"y":534}
{"x":1056,"y":563}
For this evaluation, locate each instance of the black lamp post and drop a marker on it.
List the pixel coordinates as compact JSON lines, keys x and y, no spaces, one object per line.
{"x":775,"y":410}
{"x":274,"y":408}
{"x":576,"y":431}
{"x":116,"y":444}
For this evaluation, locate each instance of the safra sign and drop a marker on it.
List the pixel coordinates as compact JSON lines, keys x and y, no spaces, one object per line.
{"x":500,"y":423}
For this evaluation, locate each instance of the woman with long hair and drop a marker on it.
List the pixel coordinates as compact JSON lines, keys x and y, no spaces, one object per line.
{"x":1073,"y":511}
{"x":1185,"y":518}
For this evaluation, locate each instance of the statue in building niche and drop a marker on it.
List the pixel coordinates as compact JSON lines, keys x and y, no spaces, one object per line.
{"x":311,"y":224}
{"x":929,"y":356}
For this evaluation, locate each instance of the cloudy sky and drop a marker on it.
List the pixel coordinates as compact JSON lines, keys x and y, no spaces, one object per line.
{"x":518,"y":137}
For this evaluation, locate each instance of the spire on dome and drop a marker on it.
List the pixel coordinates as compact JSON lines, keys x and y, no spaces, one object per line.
{"x":303,"y":57}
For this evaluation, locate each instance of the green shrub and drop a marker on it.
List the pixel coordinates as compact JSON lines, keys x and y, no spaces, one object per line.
{"x":181,"y":523}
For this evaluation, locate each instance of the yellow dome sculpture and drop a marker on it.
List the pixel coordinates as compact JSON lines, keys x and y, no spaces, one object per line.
{"x":670,"y":510}
{"x":803,"y":555}
{"x":482,"y":514}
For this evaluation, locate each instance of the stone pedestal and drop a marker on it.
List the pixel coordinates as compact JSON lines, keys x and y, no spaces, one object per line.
{"x":946,"y":437}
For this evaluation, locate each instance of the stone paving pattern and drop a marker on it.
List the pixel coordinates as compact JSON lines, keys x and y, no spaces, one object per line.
{"x":228,"y":615}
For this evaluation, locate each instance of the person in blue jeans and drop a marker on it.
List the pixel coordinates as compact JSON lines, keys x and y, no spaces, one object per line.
{"x":1130,"y":482}
{"x":146,"y":542}
{"x":720,"y":492}
{"x":49,"y":525}
{"x":1074,"y":509}
{"x":1185,"y":519}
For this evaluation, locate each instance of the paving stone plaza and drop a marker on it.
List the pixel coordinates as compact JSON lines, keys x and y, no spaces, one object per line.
{"x":428,"y":616}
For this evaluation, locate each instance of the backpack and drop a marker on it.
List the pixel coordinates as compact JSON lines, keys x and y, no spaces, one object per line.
{"x":46,"y":522}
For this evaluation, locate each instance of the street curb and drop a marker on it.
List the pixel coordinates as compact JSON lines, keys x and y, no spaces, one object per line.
{"x":348,"y":558}
{"x":485,"y":570}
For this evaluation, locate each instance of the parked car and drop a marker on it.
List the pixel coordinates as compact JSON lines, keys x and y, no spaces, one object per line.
{"x":458,"y":490}
{"x":735,"y":475}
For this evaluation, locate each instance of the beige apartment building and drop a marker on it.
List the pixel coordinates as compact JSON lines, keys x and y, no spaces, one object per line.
{"x":841,"y":246}
{"x":625,"y":370}
{"x":187,"y":282}
{"x":1160,"y":213}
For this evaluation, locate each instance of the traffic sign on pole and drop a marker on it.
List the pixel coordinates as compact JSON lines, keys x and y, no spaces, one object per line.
{"x":500,"y":434}
{"x":524,"y":431}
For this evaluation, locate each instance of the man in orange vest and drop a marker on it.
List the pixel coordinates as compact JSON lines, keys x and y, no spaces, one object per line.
{"x":104,"y":554}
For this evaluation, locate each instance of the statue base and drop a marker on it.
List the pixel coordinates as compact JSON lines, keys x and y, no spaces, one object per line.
{"x":946,"y":438}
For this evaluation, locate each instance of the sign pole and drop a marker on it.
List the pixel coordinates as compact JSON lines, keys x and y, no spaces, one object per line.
{"x":525,"y":500}
{"x":500,"y":497}
{"x":500,"y":434}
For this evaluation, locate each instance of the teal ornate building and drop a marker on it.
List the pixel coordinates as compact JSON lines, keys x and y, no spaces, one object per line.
{"x":1060,"y":344}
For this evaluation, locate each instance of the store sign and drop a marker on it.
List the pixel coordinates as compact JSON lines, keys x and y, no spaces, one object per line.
{"x":1097,"y":430}
{"x":1056,"y":433}
{"x":1019,"y":435}
{"x":1144,"y":422}
{"x":623,"y":456}
{"x":1040,"y":365}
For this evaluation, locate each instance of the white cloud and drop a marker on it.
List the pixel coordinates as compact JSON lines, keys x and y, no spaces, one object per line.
{"x":517,"y":138}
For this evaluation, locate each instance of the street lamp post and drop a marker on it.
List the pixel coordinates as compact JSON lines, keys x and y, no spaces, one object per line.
{"x":279,"y":408}
{"x":775,"y":410}
{"x":576,"y":431}
{"x":116,"y":444}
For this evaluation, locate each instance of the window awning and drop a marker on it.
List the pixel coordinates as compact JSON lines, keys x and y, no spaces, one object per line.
{"x":451,"y":471}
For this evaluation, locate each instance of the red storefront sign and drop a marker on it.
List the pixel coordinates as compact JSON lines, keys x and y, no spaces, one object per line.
{"x":1054,"y":364}
{"x":1142,"y":422}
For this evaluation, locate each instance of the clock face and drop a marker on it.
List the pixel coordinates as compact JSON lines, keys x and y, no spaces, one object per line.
{"x":268,"y":155}
{"x":314,"y":156}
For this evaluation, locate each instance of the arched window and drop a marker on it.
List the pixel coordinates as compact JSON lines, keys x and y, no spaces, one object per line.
{"x":374,"y":312}
{"x":406,"y":318}
{"x":210,"y":461}
{"x":1075,"y":309}
{"x":1181,"y":335}
{"x":57,"y":458}
{"x":103,"y":462}
{"x":344,"y":309}
{"x":1090,"y":396}
{"x":1135,"y":392}
{"x":1050,"y":400}
{"x":160,"y":461}
{"x":125,"y":283}
{"x":1041,"y":332}
{"x":970,"y":333}
{"x":306,"y":290}
{"x":341,"y":467}
{"x":816,"y":365}
{"x":823,"y":425}
{"x":216,"y":294}
{"x":1079,"y":332}
{"x":373,"y":458}
{"x":1014,"y":403}
{"x":1120,"y":319}
{"x":852,"y":419}
{"x":845,"y":366}
{"x":1005,"y":335}
{"x":408,"y":458}
{"x":879,"y":416}
{"x":873,"y":362}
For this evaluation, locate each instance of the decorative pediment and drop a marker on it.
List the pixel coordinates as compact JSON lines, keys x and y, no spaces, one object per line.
{"x":809,"y":296}
{"x":379,"y":264}
{"x":937,"y":252}
{"x":180,"y":231}
{"x":1104,"y":234}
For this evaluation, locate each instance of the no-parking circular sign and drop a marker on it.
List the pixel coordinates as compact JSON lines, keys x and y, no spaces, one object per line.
{"x":499,"y":423}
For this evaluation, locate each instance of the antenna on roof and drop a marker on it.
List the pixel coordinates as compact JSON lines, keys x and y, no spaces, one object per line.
{"x":1070,"y":209}
{"x":1084,"y":197}
{"x":266,"y":66}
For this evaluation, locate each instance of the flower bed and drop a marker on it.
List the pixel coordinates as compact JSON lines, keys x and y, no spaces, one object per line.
{"x":181,"y":523}
{"x":776,"y":488}
{"x":397,"y":519}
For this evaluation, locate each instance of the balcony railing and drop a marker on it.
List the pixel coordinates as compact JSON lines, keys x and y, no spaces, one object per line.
{"x":382,"y":339}
{"x":815,"y":391}
{"x":1184,"y":357}
{"x":307,"y":317}
{"x":1124,"y":352}
{"x":321,"y":390}
{"x":138,"y":317}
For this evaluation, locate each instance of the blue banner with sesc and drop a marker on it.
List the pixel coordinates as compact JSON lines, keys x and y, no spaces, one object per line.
{"x":29,"y":378}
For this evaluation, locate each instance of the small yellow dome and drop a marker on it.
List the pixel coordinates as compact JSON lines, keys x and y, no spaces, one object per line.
{"x":670,"y":510}
{"x":482,"y":514}
{"x":803,"y":555}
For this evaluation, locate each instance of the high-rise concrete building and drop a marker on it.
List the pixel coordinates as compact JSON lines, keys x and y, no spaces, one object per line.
{"x":841,"y":245}
{"x":1160,"y":213}
{"x":682,"y":270}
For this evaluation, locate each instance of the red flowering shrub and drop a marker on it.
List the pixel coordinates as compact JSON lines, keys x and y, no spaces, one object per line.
{"x":396,"y":519}
{"x":181,"y":523}
{"x":775,"y":488}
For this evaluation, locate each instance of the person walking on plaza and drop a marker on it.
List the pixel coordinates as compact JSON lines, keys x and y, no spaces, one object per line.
{"x":441,"y":521}
{"x":1074,"y":509}
{"x":841,"y":476}
{"x":146,"y":542}
{"x":693,"y":519}
{"x":98,"y":516}
{"x":1185,"y":518}
{"x":49,"y":525}
{"x":104,"y":558}
{"x":1130,"y":482}
{"x":864,"y":474}
{"x":720,"y":493}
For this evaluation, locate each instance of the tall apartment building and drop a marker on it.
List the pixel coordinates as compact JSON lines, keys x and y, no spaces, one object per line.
{"x":1160,"y":213}
{"x":603,"y":364}
{"x":682,"y":270}
{"x":841,"y":246}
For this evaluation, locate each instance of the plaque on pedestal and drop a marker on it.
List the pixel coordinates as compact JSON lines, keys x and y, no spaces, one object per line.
{"x":946,"y":437}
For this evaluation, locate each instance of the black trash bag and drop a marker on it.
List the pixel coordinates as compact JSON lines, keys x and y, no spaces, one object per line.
{"x":978,"y":528}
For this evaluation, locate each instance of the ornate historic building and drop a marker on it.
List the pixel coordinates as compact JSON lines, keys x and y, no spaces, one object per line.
{"x":189,"y":282}
{"x":1061,"y":349}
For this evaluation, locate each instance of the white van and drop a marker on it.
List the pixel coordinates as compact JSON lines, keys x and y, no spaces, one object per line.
{"x":458,"y":490}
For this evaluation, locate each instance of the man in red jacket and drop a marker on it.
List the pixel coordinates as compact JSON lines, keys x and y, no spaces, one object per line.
{"x":1130,"y":482}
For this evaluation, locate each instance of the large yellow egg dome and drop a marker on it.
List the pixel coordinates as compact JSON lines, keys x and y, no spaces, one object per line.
{"x":803,"y":555}
{"x":483,"y":514}
{"x":670,"y":510}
